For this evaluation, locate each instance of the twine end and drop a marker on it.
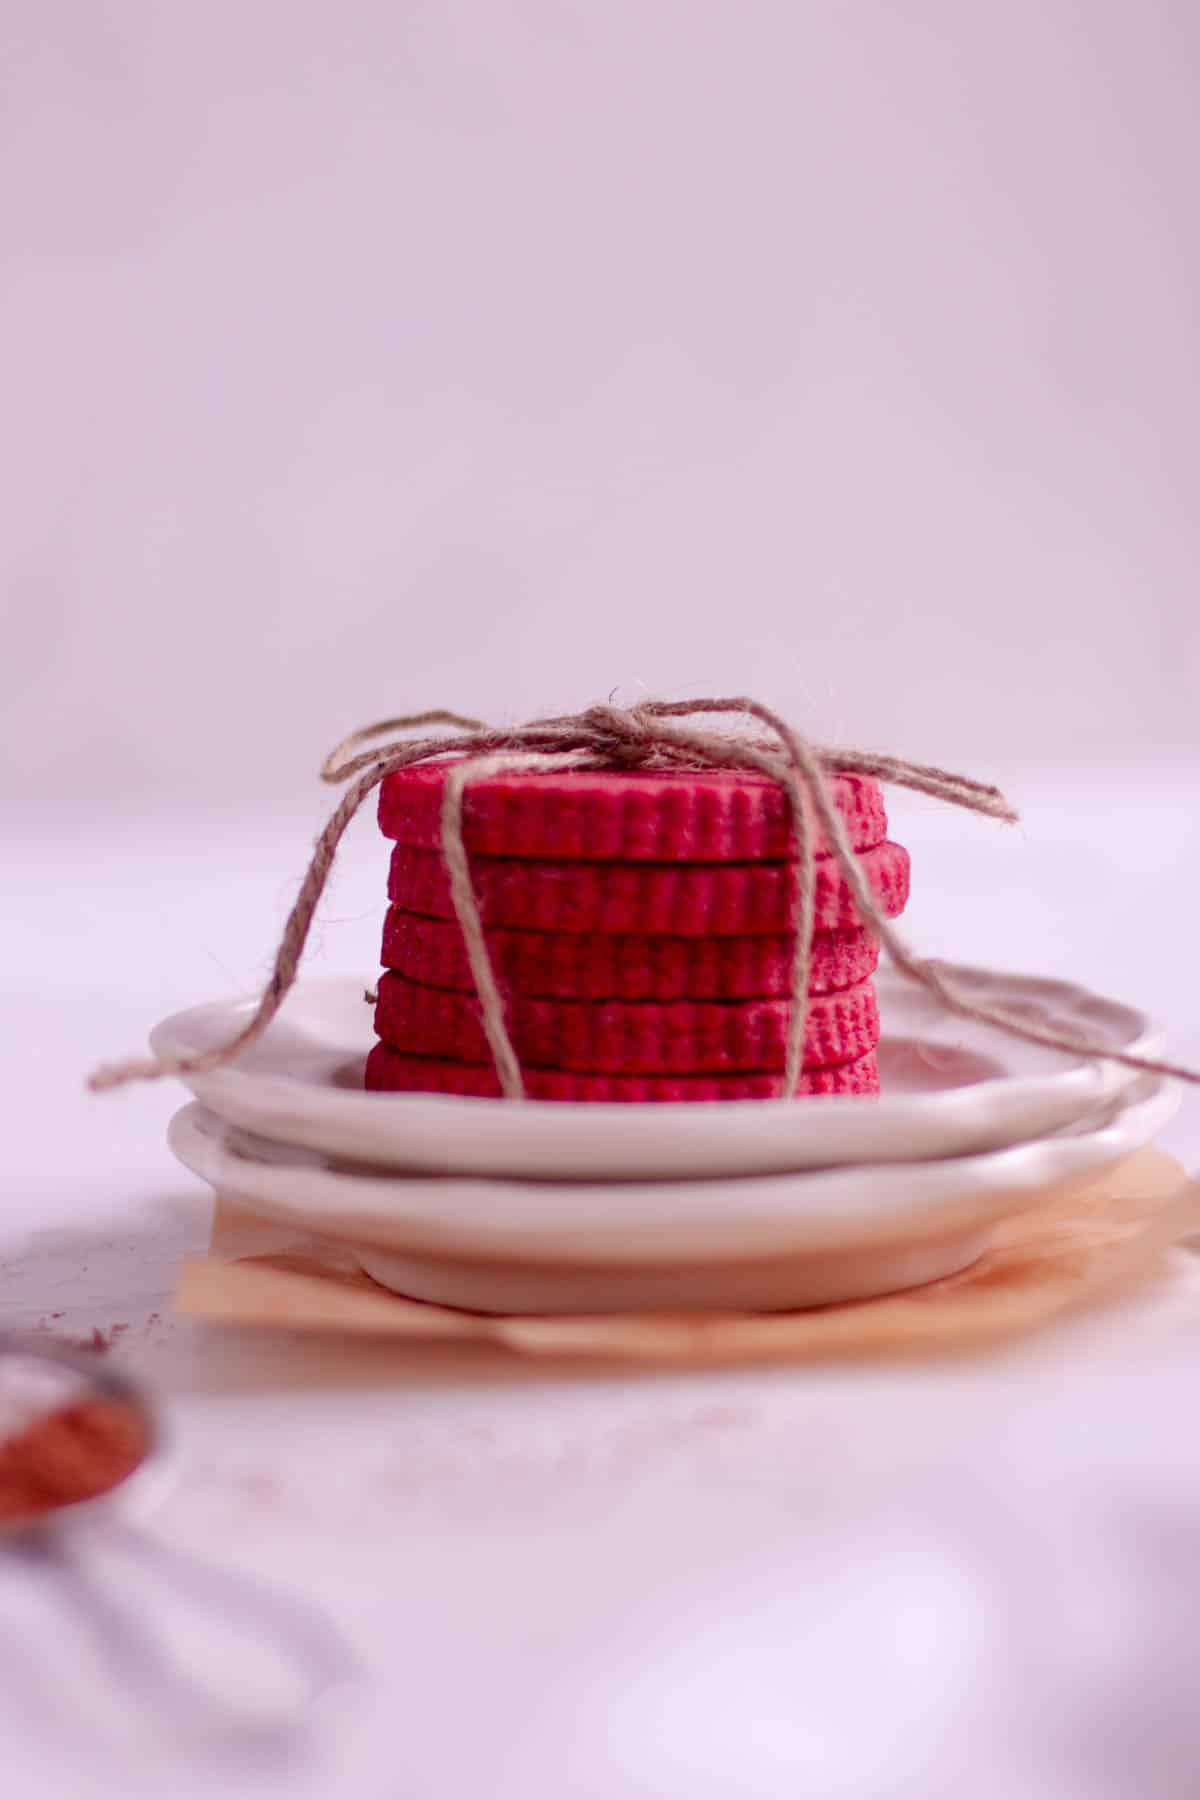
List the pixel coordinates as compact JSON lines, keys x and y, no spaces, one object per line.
{"x":102,"y":1080}
{"x":114,"y":1075}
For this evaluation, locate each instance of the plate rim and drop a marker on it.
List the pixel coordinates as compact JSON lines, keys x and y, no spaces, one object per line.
{"x":1147,"y":1039}
{"x":829,"y":1228}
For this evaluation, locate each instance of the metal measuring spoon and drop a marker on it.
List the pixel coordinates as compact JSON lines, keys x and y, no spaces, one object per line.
{"x":59,"y":1540}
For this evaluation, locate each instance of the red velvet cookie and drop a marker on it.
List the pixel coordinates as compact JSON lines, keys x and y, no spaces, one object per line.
{"x":645,"y":899}
{"x":604,"y":815}
{"x":592,"y":966}
{"x":629,"y":1037}
{"x":393,"y":1071}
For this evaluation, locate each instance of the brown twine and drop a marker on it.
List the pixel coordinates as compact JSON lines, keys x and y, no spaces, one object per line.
{"x":642,"y":737}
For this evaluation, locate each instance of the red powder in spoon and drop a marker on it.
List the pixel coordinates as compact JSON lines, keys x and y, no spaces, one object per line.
{"x":70,"y":1452}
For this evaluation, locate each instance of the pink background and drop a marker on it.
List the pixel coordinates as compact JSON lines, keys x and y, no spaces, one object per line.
{"x":366,"y":356}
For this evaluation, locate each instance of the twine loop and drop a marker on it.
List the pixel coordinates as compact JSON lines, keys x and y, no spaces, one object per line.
{"x":654,"y":734}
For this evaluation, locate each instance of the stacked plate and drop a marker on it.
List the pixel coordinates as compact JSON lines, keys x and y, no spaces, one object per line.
{"x":555,"y":1206}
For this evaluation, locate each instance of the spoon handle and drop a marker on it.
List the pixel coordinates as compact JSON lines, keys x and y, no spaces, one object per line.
{"x":299,"y":1630}
{"x":306,"y":1642}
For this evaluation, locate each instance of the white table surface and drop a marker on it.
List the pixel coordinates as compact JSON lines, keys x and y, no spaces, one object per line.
{"x":751,"y":1583}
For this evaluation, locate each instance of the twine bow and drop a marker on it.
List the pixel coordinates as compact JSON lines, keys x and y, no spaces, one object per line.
{"x":647,"y":736}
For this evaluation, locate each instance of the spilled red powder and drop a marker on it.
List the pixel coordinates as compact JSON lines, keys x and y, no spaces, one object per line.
{"x":73,"y":1453}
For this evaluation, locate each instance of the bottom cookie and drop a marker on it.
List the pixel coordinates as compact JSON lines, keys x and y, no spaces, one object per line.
{"x":397,"y":1072}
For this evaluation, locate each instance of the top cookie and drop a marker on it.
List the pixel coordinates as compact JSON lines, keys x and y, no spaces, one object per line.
{"x":605,"y":815}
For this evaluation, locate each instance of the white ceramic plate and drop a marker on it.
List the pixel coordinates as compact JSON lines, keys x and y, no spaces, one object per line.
{"x":950,"y":1088}
{"x":761,"y":1241}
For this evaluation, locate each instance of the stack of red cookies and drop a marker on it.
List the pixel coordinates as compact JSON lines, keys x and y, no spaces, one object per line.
{"x":640,"y":928}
